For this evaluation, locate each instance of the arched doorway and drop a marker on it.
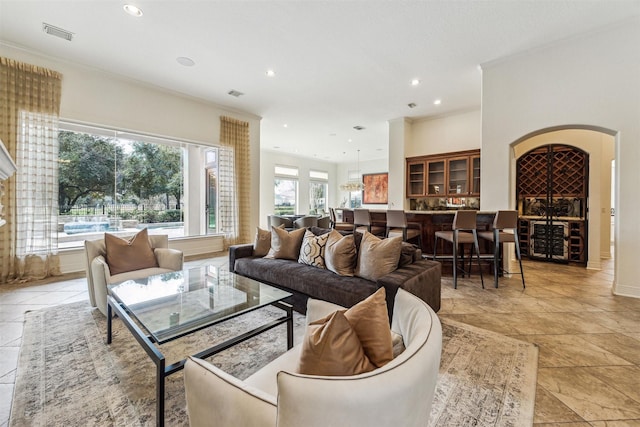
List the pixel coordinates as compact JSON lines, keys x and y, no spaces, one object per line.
{"x":599,"y":143}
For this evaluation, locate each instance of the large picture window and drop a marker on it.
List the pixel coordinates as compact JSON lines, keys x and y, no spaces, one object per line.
{"x":318,"y":192}
{"x":121,"y":182}
{"x":285,"y":190}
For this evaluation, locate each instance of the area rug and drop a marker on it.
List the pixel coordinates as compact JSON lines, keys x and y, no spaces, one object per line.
{"x":68,"y":376}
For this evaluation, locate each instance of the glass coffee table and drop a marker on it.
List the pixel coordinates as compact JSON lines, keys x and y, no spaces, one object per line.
{"x":165,"y":307}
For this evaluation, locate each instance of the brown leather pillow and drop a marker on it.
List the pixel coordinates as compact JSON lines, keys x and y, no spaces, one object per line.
{"x":377,"y":257}
{"x":370,"y":319}
{"x":340,"y":254}
{"x":124,"y":255}
{"x":262,"y":243}
{"x":331,"y":347}
{"x":285,"y":244}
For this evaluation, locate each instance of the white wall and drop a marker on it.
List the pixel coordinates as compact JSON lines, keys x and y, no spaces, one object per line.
{"x":590,"y":80}
{"x":95,"y":97}
{"x":454,"y":132}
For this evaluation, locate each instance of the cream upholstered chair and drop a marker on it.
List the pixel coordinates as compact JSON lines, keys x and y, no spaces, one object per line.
{"x":504,"y":230}
{"x":305,"y":221}
{"x":99,"y":275}
{"x":397,"y":394}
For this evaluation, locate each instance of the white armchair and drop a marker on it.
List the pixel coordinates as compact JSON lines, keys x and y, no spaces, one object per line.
{"x":397,"y":394}
{"x":99,"y":276}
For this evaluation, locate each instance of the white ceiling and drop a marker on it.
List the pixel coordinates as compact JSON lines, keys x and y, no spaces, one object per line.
{"x":338,"y":64}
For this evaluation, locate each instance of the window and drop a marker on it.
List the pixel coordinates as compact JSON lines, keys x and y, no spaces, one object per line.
{"x":285,"y":190}
{"x":121,"y":182}
{"x":318,"y":192}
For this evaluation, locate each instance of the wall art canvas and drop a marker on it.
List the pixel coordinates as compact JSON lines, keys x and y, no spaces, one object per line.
{"x":376,"y":188}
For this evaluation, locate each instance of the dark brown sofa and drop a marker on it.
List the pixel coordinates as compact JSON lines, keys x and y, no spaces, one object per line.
{"x":416,"y":275}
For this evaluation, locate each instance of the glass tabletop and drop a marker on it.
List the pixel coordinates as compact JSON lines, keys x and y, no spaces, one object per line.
{"x":174,"y":304}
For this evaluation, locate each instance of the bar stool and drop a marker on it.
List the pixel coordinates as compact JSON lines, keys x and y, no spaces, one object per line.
{"x":397,"y":226}
{"x":362,"y":221}
{"x":504,"y":220}
{"x":339,"y":226}
{"x":462,"y":231}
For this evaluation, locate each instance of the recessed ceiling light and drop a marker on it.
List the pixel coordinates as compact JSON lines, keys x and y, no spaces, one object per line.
{"x":415,"y":82}
{"x":271,"y":73}
{"x":285,"y":125}
{"x":349,"y":140}
{"x":437,"y":102}
{"x":132,"y":10}
{"x":187,"y":62}
{"x":277,"y":147}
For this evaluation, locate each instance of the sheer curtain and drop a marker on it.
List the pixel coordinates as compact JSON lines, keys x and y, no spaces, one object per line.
{"x":29,"y":127}
{"x":235,"y":181}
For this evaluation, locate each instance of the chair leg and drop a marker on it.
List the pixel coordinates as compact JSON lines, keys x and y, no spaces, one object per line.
{"x":496,"y":257}
{"x":455,"y":261}
{"x":477,"y":248}
{"x":517,"y":243}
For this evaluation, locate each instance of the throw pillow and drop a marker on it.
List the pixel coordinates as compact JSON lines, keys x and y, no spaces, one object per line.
{"x":262,"y":242}
{"x":285,"y":244}
{"x":312,"y":250}
{"x":377,"y":257}
{"x":340,"y":254}
{"x":124,"y":255}
{"x":331,"y":347}
{"x":370,"y":319}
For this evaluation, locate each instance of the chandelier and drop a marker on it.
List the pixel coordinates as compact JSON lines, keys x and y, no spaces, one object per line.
{"x":354,"y":185}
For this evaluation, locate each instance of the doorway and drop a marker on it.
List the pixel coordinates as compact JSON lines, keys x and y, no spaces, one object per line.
{"x":599,"y":144}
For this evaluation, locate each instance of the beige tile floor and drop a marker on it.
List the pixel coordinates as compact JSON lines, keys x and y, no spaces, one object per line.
{"x":589,"y":340}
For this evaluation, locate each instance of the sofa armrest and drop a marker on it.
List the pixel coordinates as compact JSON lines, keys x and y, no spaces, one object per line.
{"x":421,"y":278}
{"x":237,"y":252}
{"x":171,"y":259}
{"x":217,"y":398}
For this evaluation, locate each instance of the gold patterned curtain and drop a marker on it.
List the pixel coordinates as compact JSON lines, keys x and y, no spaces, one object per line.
{"x":29,"y":114}
{"x":235,"y":181}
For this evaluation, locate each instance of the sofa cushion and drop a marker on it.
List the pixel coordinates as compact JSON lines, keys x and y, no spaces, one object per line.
{"x":312,"y":249}
{"x":124,"y":255}
{"x":331,"y":347}
{"x":377,"y":257}
{"x":285,"y":244}
{"x":370,"y":321}
{"x":314,"y":282}
{"x":340,"y":254}
{"x":262,"y":242}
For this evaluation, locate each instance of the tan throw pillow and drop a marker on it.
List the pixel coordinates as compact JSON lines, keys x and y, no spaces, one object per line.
{"x":377,"y":257}
{"x":312,"y":250}
{"x":285,"y":244}
{"x":340,"y":254}
{"x":370,"y":319}
{"x":128,"y":255}
{"x":331,"y":347}
{"x":262,"y":242}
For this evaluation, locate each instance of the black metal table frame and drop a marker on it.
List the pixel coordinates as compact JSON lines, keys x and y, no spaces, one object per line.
{"x":163,"y":371}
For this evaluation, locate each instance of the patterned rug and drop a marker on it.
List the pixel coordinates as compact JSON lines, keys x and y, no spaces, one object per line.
{"x":68,"y":376}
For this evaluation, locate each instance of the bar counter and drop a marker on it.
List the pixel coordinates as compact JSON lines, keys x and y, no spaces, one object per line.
{"x":431,"y":221}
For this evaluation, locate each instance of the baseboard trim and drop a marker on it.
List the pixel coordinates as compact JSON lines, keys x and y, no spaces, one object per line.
{"x":626,"y":291}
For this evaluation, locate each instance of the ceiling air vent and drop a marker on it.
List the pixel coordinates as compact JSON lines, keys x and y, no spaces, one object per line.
{"x":235,"y":93}
{"x":358,"y":127}
{"x":56,"y":31}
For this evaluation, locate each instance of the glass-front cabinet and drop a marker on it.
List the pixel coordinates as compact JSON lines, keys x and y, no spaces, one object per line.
{"x":415,"y":179}
{"x":444,"y":181}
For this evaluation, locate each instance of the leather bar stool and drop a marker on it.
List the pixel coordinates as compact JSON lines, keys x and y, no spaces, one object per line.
{"x":463,"y":231}
{"x":505,"y":230}
{"x":397,"y":225}
{"x":345,"y":227}
{"x":362,"y":221}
